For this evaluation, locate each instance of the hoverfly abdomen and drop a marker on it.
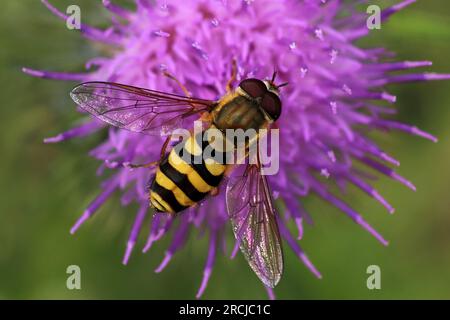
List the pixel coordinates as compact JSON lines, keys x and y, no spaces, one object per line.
{"x":187,"y":174}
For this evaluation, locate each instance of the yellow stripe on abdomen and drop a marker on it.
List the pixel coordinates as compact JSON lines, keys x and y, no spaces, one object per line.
{"x":168,"y":184}
{"x":194,"y":178}
{"x":159,"y":203}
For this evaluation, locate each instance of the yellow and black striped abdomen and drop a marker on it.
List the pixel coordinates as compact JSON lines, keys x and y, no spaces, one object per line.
{"x":184,"y":177}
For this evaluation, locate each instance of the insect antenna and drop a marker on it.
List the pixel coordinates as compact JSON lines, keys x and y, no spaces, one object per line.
{"x":274,"y":75}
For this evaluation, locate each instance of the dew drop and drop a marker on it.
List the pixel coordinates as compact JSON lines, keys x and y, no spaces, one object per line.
{"x":325,"y":173}
{"x":347,"y":89}
{"x":196,"y":45}
{"x":215,"y":22}
{"x":333,"y":105}
{"x":333,"y":55}
{"x":319,"y":34}
{"x":161,"y":33}
{"x":303,"y":72}
{"x":332,"y":156}
{"x":164,"y":6}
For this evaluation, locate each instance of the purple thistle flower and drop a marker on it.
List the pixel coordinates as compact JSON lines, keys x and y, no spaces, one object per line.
{"x":335,"y":86}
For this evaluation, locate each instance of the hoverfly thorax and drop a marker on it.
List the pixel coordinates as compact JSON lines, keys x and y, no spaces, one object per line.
{"x":253,"y":105}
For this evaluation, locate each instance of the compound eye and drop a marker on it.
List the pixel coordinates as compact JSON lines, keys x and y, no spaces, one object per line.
{"x":253,"y":87}
{"x":271,"y":104}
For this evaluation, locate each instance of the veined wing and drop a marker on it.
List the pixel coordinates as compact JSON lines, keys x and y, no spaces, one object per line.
{"x":137,"y":109}
{"x":253,"y":218}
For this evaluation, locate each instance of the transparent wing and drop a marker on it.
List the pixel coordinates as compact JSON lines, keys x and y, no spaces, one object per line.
{"x":253,"y":218}
{"x":137,"y":109}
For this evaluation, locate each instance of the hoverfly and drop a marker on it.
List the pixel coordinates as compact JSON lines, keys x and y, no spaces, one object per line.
{"x":178,"y":184}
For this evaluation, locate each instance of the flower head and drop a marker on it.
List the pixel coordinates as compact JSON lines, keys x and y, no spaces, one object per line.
{"x":335,"y":95}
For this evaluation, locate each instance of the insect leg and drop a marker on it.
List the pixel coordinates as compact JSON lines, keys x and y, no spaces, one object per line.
{"x":164,"y":148}
{"x":153,"y":163}
{"x":214,"y":192}
{"x":233,"y":75}
{"x":144,"y":165}
{"x":206,"y":117}
{"x":183,"y":88}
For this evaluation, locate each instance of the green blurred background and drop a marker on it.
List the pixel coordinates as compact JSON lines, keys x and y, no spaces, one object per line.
{"x":44,"y":188}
